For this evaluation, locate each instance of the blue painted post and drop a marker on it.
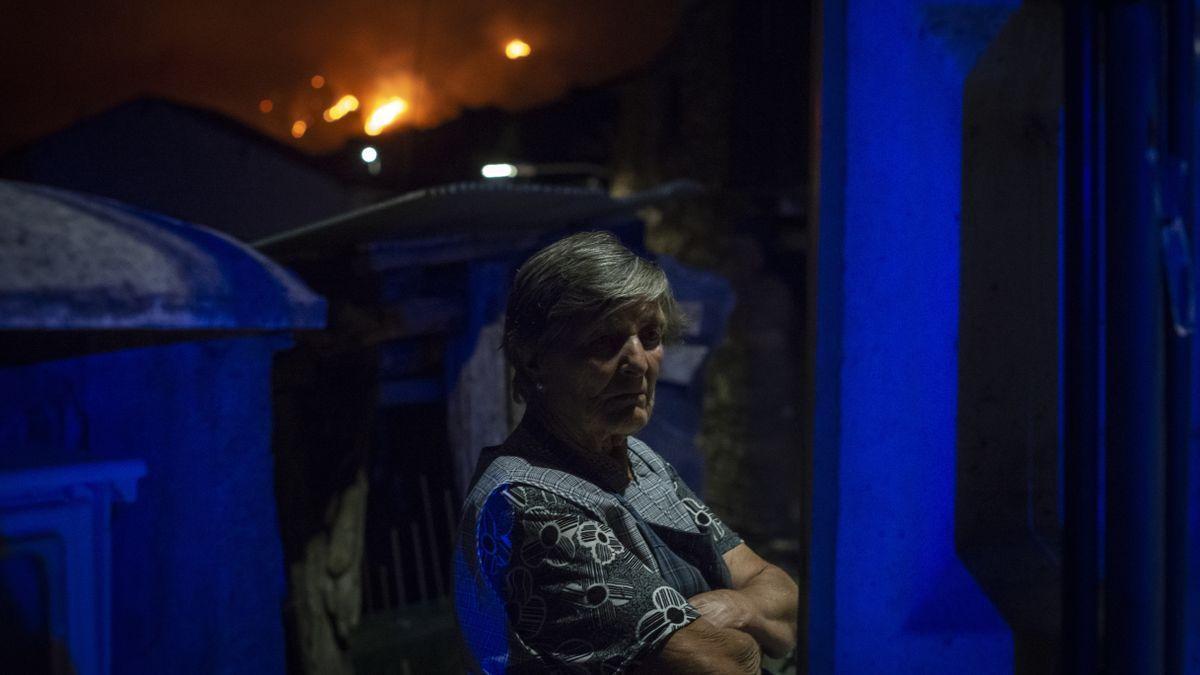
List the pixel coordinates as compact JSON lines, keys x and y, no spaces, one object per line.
{"x":1191,"y":552}
{"x":824,"y":330}
{"x":1181,"y":73}
{"x":1134,"y":588}
{"x":888,"y":592}
{"x":1080,"y":357}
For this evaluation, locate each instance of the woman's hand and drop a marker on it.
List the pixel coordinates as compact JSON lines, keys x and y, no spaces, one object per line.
{"x":724,"y":608}
{"x":701,"y":648}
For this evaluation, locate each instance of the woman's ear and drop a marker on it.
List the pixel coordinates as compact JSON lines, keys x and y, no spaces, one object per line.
{"x":530,"y":364}
{"x":527,"y":368}
{"x":531,"y":370}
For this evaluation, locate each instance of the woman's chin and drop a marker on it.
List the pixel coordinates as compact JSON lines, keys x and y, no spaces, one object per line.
{"x":630,"y":420}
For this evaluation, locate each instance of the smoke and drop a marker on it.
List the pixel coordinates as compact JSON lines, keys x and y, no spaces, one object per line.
{"x":62,"y":60}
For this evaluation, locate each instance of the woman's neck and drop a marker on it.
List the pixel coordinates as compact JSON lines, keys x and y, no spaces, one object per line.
{"x":612,"y":446}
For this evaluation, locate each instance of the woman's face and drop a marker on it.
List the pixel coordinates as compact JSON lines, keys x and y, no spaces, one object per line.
{"x":599,"y":383}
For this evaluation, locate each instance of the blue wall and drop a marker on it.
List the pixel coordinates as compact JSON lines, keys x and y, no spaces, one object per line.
{"x":198,"y":578}
{"x":889,"y":593}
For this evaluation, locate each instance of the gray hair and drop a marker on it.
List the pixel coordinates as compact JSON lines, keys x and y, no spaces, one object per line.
{"x":581,"y":279}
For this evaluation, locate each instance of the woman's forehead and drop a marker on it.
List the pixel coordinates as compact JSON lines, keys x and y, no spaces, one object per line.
{"x":635,"y":318}
{"x":639,"y":314}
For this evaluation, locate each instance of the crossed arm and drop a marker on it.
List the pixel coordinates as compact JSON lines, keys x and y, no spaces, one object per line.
{"x":569,"y":591}
{"x":759,"y":612}
{"x":762,"y":602}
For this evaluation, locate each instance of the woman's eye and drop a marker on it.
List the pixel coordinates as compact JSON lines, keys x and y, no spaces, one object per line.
{"x":606,"y":344}
{"x":651,"y":339}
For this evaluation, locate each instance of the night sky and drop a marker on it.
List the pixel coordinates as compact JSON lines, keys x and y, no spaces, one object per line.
{"x":64,"y":60}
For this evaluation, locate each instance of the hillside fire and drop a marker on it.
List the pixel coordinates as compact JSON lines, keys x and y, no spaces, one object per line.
{"x":517,"y":49}
{"x":385,"y":115}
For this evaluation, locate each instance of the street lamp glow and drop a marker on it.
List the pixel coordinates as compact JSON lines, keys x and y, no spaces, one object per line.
{"x":498,"y":171}
{"x":369,"y":154}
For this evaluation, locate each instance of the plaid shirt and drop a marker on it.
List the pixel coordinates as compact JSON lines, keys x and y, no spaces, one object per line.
{"x":564,"y":564}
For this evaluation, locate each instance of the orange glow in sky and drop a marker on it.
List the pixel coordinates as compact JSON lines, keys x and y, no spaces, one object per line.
{"x":72,"y":60}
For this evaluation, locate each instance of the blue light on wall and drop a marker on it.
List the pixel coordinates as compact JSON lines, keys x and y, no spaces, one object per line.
{"x":892,"y":595}
{"x":131,"y":336}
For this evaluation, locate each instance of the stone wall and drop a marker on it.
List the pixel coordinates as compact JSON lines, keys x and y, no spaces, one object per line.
{"x":689,"y":115}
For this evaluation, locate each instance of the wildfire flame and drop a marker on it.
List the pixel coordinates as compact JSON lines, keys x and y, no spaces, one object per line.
{"x":344,"y":106}
{"x":384,"y":115}
{"x":517,"y":49}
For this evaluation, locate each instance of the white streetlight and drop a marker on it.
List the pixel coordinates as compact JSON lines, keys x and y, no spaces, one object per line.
{"x":499,"y":171}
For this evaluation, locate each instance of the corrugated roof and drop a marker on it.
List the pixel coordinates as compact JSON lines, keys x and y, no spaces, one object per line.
{"x":482,"y":208}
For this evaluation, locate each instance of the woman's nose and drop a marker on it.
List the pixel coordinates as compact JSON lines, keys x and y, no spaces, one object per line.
{"x":633,"y":357}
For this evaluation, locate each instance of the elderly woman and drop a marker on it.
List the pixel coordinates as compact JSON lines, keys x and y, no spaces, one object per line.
{"x":580,"y":548}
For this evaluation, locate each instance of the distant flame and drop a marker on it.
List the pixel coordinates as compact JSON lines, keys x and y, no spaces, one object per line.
{"x":317,"y":81}
{"x":266,"y":105}
{"x":344,"y":106}
{"x":517,"y":49}
{"x":298,"y":128}
{"x":385,"y":115}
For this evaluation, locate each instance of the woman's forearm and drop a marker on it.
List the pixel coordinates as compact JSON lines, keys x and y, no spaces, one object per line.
{"x":764,"y":606}
{"x":774,"y":597}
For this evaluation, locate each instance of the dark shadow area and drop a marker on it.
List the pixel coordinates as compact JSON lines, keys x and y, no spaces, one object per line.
{"x":1007,"y":521}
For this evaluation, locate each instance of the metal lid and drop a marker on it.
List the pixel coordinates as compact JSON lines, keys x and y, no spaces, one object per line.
{"x":73,"y":262}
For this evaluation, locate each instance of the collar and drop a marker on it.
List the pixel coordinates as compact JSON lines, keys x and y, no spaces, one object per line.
{"x":532,"y":440}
